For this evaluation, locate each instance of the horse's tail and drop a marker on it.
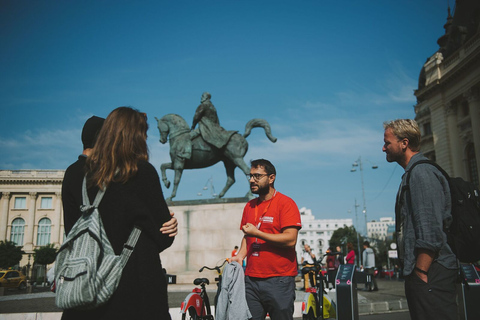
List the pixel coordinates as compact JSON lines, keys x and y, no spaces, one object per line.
{"x":259,"y":123}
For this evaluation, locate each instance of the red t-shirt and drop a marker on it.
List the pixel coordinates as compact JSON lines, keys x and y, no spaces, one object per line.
{"x":265,"y":260}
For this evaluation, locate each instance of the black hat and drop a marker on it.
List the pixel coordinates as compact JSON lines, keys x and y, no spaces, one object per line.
{"x":90,"y":131}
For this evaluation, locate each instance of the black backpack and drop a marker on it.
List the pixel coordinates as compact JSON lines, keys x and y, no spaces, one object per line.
{"x":463,"y":231}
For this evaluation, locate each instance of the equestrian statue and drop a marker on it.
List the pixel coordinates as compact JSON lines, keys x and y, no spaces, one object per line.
{"x":204,"y":146}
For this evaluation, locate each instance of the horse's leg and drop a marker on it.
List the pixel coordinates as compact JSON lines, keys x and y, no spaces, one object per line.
{"x":176,"y":181}
{"x":230,"y":169}
{"x":235,"y":151}
{"x":163,"y":169}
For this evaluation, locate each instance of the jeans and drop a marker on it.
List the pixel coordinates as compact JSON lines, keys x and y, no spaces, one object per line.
{"x":274,"y":296}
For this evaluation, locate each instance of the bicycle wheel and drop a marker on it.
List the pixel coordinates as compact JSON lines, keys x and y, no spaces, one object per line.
{"x":309,"y":316}
{"x":191,"y":314}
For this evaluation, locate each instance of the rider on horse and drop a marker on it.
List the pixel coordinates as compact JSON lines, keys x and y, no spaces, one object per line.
{"x":209,"y":125}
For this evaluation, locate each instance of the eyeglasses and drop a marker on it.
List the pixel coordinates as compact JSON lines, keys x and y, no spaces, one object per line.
{"x":256,"y":176}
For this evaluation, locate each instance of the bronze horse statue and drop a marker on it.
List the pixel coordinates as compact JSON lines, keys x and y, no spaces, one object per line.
{"x":190,"y":151}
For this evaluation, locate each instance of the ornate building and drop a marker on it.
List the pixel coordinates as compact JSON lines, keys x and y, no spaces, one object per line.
{"x":379,"y":230}
{"x":448,"y":95}
{"x":317,"y":233}
{"x":31,"y":213}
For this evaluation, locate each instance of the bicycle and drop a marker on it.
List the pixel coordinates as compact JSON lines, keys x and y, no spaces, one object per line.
{"x":196,"y":305}
{"x":313,"y":302}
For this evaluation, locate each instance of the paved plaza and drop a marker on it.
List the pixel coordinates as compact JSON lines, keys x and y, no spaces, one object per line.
{"x":16,"y":305}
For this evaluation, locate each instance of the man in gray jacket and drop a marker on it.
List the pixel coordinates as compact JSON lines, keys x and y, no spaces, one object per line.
{"x":429,"y":266}
{"x":368,"y":258}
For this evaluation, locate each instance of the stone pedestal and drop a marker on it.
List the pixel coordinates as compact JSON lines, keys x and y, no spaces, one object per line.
{"x":208,"y":232}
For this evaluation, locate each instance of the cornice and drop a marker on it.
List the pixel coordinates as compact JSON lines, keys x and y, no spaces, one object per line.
{"x":30,"y":181}
{"x":31,"y":177}
{"x":453,"y":68}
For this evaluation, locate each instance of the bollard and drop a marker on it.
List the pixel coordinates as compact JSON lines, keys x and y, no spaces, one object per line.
{"x":469,"y":293}
{"x":346,"y":291}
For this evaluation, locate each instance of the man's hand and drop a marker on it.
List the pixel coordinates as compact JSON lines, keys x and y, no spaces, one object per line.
{"x":422,"y":276}
{"x":236,"y":259}
{"x":170,"y":227}
{"x":249,"y":230}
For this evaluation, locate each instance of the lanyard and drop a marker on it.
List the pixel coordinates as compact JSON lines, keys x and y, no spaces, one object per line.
{"x":259,"y":221}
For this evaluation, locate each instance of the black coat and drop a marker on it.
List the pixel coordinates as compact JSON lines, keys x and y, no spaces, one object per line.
{"x":142,"y":292}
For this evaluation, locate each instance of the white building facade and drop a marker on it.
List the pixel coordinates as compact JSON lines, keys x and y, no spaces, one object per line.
{"x":31,"y":213}
{"x":317,"y":233}
{"x":379,"y":230}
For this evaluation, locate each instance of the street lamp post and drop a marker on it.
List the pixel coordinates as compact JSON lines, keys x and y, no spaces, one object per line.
{"x":357,"y":163}
{"x":358,"y":238}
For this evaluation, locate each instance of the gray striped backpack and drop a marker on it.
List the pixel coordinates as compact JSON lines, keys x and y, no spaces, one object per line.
{"x":87,"y":271}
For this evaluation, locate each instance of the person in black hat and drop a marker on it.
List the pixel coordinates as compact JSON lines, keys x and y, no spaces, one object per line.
{"x":91,"y":128}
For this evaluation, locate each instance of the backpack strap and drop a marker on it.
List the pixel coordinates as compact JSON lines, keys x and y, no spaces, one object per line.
{"x":134,"y":235}
{"x":86,"y":207}
{"x":130,"y":245}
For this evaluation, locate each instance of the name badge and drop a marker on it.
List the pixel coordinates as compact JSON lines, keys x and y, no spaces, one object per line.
{"x":256,"y":249}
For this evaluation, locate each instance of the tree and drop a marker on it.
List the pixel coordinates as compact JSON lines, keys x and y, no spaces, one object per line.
{"x":10,"y":254}
{"x":45,"y":255}
{"x":341,"y":236}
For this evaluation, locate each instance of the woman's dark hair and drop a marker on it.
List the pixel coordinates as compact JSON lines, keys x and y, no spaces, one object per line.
{"x":349,"y":246}
{"x":120,"y":145}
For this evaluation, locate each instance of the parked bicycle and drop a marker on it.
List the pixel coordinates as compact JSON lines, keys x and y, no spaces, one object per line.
{"x":315,"y":305}
{"x":196,"y":305}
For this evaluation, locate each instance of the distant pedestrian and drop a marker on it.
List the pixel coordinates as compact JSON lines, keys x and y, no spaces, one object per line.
{"x":369,"y":267}
{"x":350,"y":258}
{"x":429,"y":266}
{"x":331,"y":271}
{"x":339,"y":257}
{"x":308,"y":260}
{"x":235,"y":251}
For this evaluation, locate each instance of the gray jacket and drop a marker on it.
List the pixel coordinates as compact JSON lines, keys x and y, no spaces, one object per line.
{"x":232,"y":303}
{"x":419,"y":224}
{"x":368,"y":258}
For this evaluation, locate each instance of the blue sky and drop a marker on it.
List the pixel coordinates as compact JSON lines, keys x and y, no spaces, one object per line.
{"x":324,"y":74}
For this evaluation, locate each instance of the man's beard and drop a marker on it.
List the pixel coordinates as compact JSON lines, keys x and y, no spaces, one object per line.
{"x":262,"y":190}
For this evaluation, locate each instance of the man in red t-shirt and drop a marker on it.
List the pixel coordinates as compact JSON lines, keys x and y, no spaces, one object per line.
{"x":270,"y":224}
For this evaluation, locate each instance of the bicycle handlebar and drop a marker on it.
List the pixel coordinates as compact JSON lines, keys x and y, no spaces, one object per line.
{"x":216,"y":268}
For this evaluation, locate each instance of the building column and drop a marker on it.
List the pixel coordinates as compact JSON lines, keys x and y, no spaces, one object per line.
{"x":455,"y":145}
{"x":57,"y":236}
{"x":29,"y":228}
{"x":4,"y":210}
{"x":473,"y":98}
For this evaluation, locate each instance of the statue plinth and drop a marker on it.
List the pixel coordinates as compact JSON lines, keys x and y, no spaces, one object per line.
{"x":207,"y":201}
{"x":208,"y":230}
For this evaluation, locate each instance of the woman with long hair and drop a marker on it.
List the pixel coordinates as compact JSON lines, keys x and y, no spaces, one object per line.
{"x":133,"y":197}
{"x":350,"y":258}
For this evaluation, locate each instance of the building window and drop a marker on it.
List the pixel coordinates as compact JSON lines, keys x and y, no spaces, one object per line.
{"x":427,"y":129}
{"x":46,"y":203}
{"x":472,"y":165}
{"x":20,"y":203}
{"x":43,"y":235}
{"x":18,"y":229}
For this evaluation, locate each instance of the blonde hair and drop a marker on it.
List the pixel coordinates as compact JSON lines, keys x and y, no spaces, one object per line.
{"x":405,"y":129}
{"x":120,"y":145}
